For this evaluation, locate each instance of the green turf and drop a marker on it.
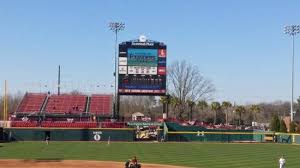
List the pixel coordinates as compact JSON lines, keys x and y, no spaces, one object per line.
{"x":202,"y":155}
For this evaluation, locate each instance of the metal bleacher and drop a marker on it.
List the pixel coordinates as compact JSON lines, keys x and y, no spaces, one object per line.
{"x":64,"y":110}
{"x":32,"y":103}
{"x":101,"y":104}
{"x":66,"y":103}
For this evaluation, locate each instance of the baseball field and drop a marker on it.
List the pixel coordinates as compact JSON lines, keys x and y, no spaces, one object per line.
{"x":201,"y":155}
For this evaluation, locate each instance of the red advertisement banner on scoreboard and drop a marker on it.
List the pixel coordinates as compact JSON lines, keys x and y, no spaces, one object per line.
{"x":141,"y":91}
{"x":161,"y":71}
{"x":162,"y":53}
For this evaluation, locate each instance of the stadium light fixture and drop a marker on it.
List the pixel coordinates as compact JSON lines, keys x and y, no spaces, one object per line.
{"x":292,"y":30}
{"x":116,"y":27}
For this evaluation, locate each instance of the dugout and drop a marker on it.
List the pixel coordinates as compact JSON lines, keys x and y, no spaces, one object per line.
{"x":1,"y":134}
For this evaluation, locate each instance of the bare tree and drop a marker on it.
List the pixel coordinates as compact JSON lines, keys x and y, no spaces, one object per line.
{"x":12,"y":102}
{"x":267,"y":110}
{"x":143,"y":104}
{"x":187,"y":83}
{"x":75,"y":92}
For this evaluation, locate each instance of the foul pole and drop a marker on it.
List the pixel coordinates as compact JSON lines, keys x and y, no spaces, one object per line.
{"x":5,"y":102}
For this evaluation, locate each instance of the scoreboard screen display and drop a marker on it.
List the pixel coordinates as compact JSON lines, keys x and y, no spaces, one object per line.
{"x":142,"y":57}
{"x":142,"y":68}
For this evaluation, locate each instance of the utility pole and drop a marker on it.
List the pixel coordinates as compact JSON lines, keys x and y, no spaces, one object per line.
{"x":292,"y":30}
{"x":5,"y":107}
{"x":58,"y":81}
{"x":116,"y":27}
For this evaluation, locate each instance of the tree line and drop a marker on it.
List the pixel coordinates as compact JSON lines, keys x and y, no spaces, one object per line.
{"x":190,"y":97}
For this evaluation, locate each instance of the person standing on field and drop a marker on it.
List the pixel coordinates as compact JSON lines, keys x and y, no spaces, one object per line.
{"x":47,"y":139}
{"x":282,"y":162}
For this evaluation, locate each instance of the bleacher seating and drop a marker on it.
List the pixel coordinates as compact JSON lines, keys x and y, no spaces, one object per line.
{"x":32,"y":102}
{"x":66,"y":104}
{"x":65,"y":124}
{"x":24,"y":124}
{"x":55,"y":110}
{"x":101,"y":104}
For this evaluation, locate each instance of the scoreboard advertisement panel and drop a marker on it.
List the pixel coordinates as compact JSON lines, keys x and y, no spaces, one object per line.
{"x":142,"y":68}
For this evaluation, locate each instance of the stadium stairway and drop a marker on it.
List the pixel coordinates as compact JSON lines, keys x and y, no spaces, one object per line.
{"x":87,"y":105}
{"x":44,"y":104}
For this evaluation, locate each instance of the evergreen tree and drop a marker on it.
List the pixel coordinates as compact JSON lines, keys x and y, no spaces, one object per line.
{"x":240,"y":110}
{"x":292,"y":127}
{"x":275,"y":123}
{"x":298,"y":128}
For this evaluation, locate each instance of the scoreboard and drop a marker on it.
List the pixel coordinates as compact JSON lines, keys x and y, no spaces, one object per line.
{"x":142,"y":68}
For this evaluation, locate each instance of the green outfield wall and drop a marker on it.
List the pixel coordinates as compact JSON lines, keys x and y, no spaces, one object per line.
{"x":63,"y":134}
{"x":168,"y":132}
{"x":176,"y":132}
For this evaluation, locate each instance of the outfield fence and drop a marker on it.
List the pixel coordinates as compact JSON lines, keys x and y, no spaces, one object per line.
{"x":179,"y":133}
{"x":233,"y":136}
{"x":69,"y":134}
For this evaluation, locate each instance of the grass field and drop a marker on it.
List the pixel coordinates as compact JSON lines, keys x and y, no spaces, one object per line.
{"x":202,"y":155}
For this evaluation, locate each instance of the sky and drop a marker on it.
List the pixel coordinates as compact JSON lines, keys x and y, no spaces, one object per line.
{"x":239,"y":45}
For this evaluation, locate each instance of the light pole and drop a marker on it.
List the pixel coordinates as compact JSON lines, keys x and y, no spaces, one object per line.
{"x":292,"y":30}
{"x":116,"y":27}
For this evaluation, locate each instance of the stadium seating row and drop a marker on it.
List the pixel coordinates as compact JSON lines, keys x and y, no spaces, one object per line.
{"x":66,"y":103}
{"x":70,"y":124}
{"x":54,"y":124}
{"x":24,"y":124}
{"x":32,"y":102}
{"x":100,"y":104}
{"x":64,"y":124}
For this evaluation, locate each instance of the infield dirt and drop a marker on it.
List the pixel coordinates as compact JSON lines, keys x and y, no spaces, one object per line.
{"x":12,"y":163}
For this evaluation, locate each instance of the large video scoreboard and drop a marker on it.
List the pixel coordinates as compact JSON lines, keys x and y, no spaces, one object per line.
{"x":142,"y":68}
